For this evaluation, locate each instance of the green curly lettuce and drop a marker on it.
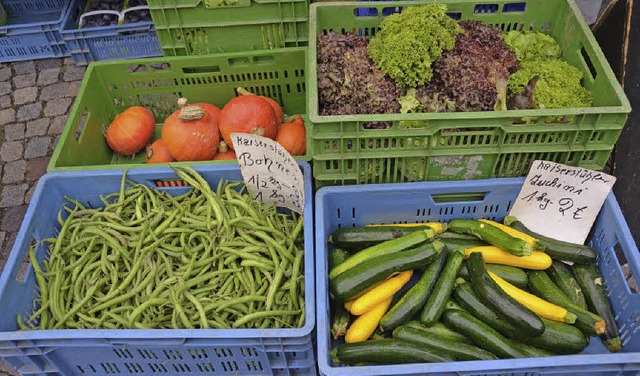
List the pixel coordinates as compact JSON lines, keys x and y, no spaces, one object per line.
{"x":530,"y":46}
{"x":559,"y":84}
{"x":409,"y":42}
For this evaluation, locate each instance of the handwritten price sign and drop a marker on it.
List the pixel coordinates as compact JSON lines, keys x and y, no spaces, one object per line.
{"x":561,"y":201}
{"x":270,"y":172}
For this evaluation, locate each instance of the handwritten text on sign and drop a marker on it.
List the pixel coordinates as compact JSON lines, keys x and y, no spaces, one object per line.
{"x":270,"y":172}
{"x":561,"y":201}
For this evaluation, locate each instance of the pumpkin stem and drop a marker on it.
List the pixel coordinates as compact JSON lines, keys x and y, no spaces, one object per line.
{"x":243,"y":91}
{"x":182,"y":102}
{"x":223,"y":147}
{"x":188,"y":113}
{"x":258,"y":131}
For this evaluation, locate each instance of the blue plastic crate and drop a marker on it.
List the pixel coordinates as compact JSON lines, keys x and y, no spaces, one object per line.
{"x":287,"y":352}
{"x":32,"y":30}
{"x":349,"y":206}
{"x":116,"y":42}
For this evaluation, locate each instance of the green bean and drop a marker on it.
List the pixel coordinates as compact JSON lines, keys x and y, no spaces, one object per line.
{"x":79,"y":305}
{"x":256,"y":315}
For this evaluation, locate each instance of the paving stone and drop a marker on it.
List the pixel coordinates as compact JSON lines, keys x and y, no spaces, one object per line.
{"x":49,"y":63}
{"x":24,"y":81}
{"x":3,"y":235}
{"x":30,"y":111}
{"x":13,"y":132}
{"x":14,"y":172}
{"x":57,"y":125}
{"x":36,"y":168}
{"x":633,"y":285}
{"x":25,"y":67}
{"x":626,"y":270}
{"x":5,"y":101}
{"x":37,"y":147}
{"x":48,"y":76}
{"x":13,"y":195}
{"x":5,"y":73}
{"x":73,"y":73}
{"x":13,"y":217}
{"x":54,"y":91}
{"x":7,"y":116}
{"x":29,"y":194}
{"x":11,"y":151}
{"x":4,"y":253}
{"x":5,"y":88}
{"x":73,"y":88}
{"x":38,"y":127}
{"x":25,"y":95}
{"x":57,"y":107}
{"x":68,"y":61}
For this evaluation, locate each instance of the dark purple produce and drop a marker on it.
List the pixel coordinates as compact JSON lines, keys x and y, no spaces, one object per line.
{"x":106,"y":5}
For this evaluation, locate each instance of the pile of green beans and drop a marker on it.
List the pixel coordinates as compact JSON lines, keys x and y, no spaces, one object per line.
{"x":205,"y":259}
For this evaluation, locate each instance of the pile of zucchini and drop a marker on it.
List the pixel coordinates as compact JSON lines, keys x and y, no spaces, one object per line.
{"x":466,"y":290}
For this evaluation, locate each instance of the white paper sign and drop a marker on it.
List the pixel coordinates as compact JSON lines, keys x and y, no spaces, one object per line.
{"x":270,"y":172}
{"x":561,"y":201}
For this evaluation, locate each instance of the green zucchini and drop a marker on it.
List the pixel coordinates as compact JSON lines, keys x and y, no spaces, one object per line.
{"x":557,"y":249}
{"x":493,"y":296}
{"x":439,"y":329}
{"x":340,"y":320}
{"x":482,"y":334}
{"x":356,"y":280}
{"x":559,"y":338}
{"x":592,"y":284}
{"x":337,"y":256}
{"x":357,"y":238}
{"x":383,"y":249}
{"x":438,"y":298}
{"x":414,"y":299}
{"x":541,"y":285}
{"x":563,"y":278}
{"x":511,"y":274}
{"x":534,"y":352}
{"x":455,"y":240}
{"x":492,"y":235}
{"x":465,"y":295}
{"x":387,"y":351}
{"x":457,"y":350}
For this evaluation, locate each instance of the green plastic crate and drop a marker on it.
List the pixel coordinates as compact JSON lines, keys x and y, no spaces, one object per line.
{"x":111,"y":87}
{"x":198,"y":27}
{"x":471,"y":145}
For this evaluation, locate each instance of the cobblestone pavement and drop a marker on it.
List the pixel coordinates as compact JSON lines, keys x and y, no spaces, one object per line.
{"x":35,"y":100}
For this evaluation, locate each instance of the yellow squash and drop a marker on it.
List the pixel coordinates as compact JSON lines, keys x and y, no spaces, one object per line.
{"x":380,"y":293}
{"x":364,"y":326}
{"x":493,"y":255}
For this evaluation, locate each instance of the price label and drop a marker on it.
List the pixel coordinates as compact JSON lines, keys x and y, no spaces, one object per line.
{"x":270,"y":172}
{"x":561,"y":201}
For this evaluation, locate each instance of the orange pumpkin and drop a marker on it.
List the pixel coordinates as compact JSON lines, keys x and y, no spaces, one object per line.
{"x":212,"y":109}
{"x":292,"y":135}
{"x":191,"y":133}
{"x":276,"y":107}
{"x":224,"y":152}
{"x":131,"y":130}
{"x":247,"y":114}
{"x":158,"y":153}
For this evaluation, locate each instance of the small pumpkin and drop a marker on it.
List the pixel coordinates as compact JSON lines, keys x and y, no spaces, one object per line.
{"x":276,"y":107}
{"x":224,"y":152}
{"x":131,"y":130}
{"x":292,"y":135}
{"x":191,"y":133}
{"x":247,"y":114}
{"x":212,"y":109}
{"x":158,"y":153}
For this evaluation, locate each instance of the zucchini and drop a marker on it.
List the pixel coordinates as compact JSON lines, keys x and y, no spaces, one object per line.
{"x":493,"y":255}
{"x":469,"y":300}
{"x":457,"y":350}
{"x":513,"y":275}
{"x":337,"y":256}
{"x":521,"y":317}
{"x":340,"y":321}
{"x":359,"y":278}
{"x":358,"y":238}
{"x":439,"y":329}
{"x":563,"y":278}
{"x":535,"y":243}
{"x":559,"y":338}
{"x":455,"y":240}
{"x":365,"y":325}
{"x":383,"y":249}
{"x":380,"y":293}
{"x":438,"y":298}
{"x":387,"y":351}
{"x":414,"y":299}
{"x":534,"y":352}
{"x":557,"y":249}
{"x":492,"y":235}
{"x":482,"y":334}
{"x":536,"y":304}
{"x":590,"y":280}
{"x":541,"y":285}
{"x":438,"y":227}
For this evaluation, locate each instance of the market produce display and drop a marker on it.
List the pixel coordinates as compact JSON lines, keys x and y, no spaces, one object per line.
{"x":114,"y":12}
{"x":202,"y":131}
{"x":421,"y":60}
{"x":477,"y":290}
{"x":208,"y":258}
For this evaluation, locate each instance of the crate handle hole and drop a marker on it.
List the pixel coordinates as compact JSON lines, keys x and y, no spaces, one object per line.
{"x":455,"y":15}
{"x":205,"y":69}
{"x":82,"y":125}
{"x":136,"y":68}
{"x":589,"y":63}
{"x":239,"y":61}
{"x":514,"y":7}
{"x":458,"y":197}
{"x":263,"y":59}
{"x":391,"y":10}
{"x":365,"y":12}
{"x":485,"y":8}
{"x":160,"y":66}
{"x":24,"y":264}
